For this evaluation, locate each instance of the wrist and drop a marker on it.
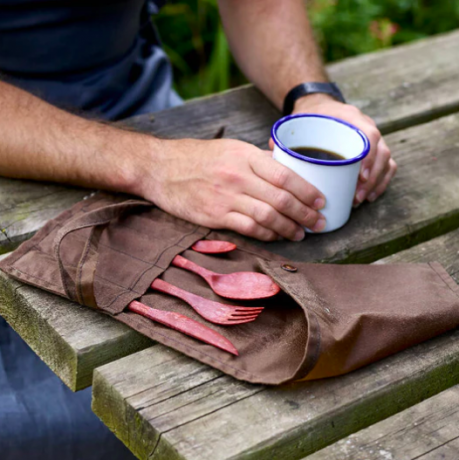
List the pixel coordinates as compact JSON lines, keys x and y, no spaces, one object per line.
{"x":311,"y":101}
{"x":133,"y":174}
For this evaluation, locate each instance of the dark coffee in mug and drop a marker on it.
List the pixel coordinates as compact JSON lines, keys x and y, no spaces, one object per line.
{"x":318,"y":154}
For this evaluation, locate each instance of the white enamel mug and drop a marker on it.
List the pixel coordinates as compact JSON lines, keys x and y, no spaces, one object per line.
{"x":337,"y":180}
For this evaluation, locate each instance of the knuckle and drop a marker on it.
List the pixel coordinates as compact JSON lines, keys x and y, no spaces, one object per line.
{"x":229,"y":175}
{"x":353,"y":109}
{"x":310,"y":218}
{"x":385,"y":154}
{"x":267,"y":235}
{"x":371,"y":183}
{"x":280,"y":176}
{"x":264,"y":215}
{"x":370,"y":120}
{"x":373,"y":133}
{"x":282,"y":200}
{"x":248,"y":227}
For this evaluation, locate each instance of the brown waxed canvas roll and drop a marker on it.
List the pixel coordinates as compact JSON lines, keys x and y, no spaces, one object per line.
{"x":105,"y":250}
{"x":328,"y":320}
{"x":368,"y":312}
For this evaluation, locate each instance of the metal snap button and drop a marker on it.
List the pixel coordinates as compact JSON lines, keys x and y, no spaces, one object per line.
{"x":289,"y":268}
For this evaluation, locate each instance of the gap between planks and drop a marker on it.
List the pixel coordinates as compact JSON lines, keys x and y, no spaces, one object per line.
{"x":430,"y":427}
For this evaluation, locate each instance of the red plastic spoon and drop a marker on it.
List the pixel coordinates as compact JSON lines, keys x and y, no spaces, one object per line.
{"x":239,"y":285}
{"x":213,"y":246}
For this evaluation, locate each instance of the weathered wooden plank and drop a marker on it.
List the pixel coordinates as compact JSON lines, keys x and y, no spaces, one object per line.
{"x":399,"y":87}
{"x":72,"y":340}
{"x":427,"y":431}
{"x":25,"y":206}
{"x":217,"y":417}
{"x":388,"y":85}
{"x":423,"y":202}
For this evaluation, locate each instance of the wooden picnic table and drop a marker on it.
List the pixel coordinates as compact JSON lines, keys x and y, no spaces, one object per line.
{"x":164,"y":405}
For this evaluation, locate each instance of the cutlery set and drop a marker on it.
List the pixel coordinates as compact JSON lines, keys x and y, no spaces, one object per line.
{"x":237,"y":286}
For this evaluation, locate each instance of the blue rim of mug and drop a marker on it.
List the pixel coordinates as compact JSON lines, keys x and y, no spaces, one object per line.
{"x":348,"y":161}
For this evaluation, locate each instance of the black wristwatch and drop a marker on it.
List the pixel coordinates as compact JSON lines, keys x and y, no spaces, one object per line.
{"x":310,"y":88}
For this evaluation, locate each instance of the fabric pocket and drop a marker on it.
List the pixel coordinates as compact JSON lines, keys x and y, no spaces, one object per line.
{"x":363,"y":313}
{"x":271,"y":349}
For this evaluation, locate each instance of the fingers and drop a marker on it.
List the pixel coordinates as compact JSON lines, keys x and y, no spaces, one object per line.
{"x":286,"y":204}
{"x":284,"y":178}
{"x":271,"y":143}
{"x":378,"y":171}
{"x":245,"y":225}
{"x":367,"y":166}
{"x":384,"y":182}
{"x":266,"y":216}
{"x":377,"y":168}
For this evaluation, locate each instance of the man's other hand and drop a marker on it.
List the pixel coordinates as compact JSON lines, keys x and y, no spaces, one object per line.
{"x":378,"y":168}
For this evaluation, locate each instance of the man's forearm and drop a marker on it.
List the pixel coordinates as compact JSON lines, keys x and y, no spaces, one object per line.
{"x":273,"y":44}
{"x":40,"y":142}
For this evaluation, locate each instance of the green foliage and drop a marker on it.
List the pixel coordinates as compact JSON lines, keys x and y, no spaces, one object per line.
{"x":194,"y":40}
{"x":348,"y":27}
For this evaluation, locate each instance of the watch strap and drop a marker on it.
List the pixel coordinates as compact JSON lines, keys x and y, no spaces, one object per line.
{"x":310,"y":88}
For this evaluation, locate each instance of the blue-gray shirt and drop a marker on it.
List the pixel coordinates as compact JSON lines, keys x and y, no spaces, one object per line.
{"x":100,"y":57}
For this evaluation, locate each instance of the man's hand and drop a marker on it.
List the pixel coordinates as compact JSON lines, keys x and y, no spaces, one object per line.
{"x":230,"y":184}
{"x":378,"y":168}
{"x":219,"y":183}
{"x":277,"y":62}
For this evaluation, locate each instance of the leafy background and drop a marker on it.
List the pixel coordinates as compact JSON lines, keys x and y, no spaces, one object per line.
{"x":194,"y":40}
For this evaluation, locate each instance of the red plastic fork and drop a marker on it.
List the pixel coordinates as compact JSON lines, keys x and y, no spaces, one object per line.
{"x":215,"y":312}
{"x":239,"y":285}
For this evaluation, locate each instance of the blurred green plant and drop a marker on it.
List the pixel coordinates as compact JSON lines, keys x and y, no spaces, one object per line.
{"x":195,"y":42}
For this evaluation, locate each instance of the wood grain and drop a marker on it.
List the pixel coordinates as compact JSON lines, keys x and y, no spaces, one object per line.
{"x":26,"y":206}
{"x":185,"y":411}
{"x":397,"y":88}
{"x":427,"y":431}
{"x":72,"y":340}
